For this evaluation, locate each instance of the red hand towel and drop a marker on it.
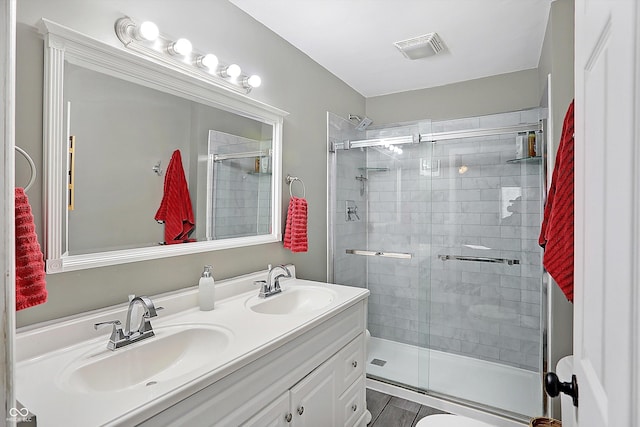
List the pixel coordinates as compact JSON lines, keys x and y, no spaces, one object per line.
{"x":295,"y":234}
{"x":556,"y":235}
{"x":30,"y":274}
{"x":175,"y":209}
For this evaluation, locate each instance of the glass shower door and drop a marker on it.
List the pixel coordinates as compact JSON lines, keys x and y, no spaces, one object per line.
{"x":485,"y":316}
{"x":379,"y":237}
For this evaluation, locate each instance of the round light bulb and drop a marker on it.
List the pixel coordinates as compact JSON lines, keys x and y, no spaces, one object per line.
{"x":254,"y":81}
{"x":148,"y":31}
{"x":209,"y":61}
{"x":233,"y":71}
{"x":181,"y":47}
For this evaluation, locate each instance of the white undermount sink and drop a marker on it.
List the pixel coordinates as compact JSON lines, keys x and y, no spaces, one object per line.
{"x":175,"y":351}
{"x":293,"y":300}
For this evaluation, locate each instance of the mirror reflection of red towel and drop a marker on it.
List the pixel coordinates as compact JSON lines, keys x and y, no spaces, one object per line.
{"x":556,"y":235}
{"x":175,"y":209}
{"x":30,"y":274}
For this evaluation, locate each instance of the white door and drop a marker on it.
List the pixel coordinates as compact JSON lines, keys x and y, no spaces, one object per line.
{"x":607,"y":211}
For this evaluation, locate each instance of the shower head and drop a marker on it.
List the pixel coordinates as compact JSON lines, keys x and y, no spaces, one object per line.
{"x":363,"y":122}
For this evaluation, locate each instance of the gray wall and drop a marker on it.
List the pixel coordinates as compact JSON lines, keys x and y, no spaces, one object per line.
{"x":557,"y":59}
{"x":291,"y":81}
{"x":489,"y":95}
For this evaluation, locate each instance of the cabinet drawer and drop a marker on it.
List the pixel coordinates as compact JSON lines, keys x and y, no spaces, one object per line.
{"x":352,"y":403}
{"x":350,"y":364}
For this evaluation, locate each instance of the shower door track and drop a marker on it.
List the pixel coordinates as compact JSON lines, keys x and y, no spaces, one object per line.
{"x":473,"y":133}
{"x":435,"y":137}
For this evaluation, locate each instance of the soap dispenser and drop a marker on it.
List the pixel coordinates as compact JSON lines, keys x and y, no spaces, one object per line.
{"x":206,"y":290}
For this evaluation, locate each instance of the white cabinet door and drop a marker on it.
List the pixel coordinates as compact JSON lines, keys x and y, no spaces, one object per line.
{"x":607,"y":245}
{"x":313,"y":400}
{"x":277,"y":414}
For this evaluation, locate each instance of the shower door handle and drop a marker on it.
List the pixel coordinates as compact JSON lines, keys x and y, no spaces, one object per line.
{"x":554,"y":387}
{"x":403,"y":255}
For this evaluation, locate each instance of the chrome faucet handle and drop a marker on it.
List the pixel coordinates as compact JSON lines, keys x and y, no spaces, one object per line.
{"x":116,"y":324}
{"x":157,"y":310}
{"x":117,"y":334}
{"x":145,"y":326}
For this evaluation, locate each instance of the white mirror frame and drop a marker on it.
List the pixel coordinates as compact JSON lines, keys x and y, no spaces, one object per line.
{"x":63,"y":44}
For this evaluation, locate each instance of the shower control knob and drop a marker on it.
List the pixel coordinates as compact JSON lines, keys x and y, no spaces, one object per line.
{"x":554,"y":387}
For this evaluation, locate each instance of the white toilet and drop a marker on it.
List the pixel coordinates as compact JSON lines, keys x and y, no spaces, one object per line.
{"x":448,"y":420}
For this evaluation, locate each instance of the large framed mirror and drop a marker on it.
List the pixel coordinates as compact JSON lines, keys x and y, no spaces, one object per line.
{"x":116,"y":124}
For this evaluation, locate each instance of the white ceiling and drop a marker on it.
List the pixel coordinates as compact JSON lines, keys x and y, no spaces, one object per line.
{"x":353,"y":39}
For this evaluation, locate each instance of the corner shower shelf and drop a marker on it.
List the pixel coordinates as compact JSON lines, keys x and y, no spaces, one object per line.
{"x":533,"y":159}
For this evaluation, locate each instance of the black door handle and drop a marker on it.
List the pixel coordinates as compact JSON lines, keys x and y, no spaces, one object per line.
{"x":554,"y":387}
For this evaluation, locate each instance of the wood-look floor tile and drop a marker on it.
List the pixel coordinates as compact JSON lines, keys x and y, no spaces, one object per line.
{"x":392,"y":416}
{"x":376,"y":402}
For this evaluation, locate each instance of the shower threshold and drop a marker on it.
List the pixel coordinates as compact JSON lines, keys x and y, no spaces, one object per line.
{"x":486,"y":383}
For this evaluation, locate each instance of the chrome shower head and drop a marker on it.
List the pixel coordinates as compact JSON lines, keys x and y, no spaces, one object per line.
{"x":363,"y":122}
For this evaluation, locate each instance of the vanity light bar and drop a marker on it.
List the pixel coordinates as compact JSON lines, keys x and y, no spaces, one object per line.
{"x":146,"y":39}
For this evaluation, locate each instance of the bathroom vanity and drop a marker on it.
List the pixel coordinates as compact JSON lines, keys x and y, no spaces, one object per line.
{"x":293,"y":359}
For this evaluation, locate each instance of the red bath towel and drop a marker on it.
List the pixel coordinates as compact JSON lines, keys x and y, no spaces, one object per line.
{"x":30,"y":274}
{"x":556,"y":235}
{"x":295,"y":233}
{"x":175,"y":209}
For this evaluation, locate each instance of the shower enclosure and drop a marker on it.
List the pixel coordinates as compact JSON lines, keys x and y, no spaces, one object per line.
{"x":440,"y":221}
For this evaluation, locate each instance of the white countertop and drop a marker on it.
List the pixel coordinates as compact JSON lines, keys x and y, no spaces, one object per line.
{"x":47,"y":352}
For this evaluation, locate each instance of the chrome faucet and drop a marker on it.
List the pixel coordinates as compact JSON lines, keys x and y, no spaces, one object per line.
{"x":119,"y":337}
{"x":272,"y":285}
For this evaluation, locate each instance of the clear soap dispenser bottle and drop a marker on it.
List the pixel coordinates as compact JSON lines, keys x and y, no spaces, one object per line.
{"x":206,"y":289}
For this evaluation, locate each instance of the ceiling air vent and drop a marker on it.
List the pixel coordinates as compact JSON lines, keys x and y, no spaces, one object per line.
{"x":421,"y":46}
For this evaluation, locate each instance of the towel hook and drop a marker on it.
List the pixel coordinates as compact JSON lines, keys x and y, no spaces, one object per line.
{"x":157,"y":169}
{"x":32,"y":165}
{"x":291,"y":180}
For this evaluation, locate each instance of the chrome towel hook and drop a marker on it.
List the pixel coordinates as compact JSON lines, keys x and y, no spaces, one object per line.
{"x":290,"y":180}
